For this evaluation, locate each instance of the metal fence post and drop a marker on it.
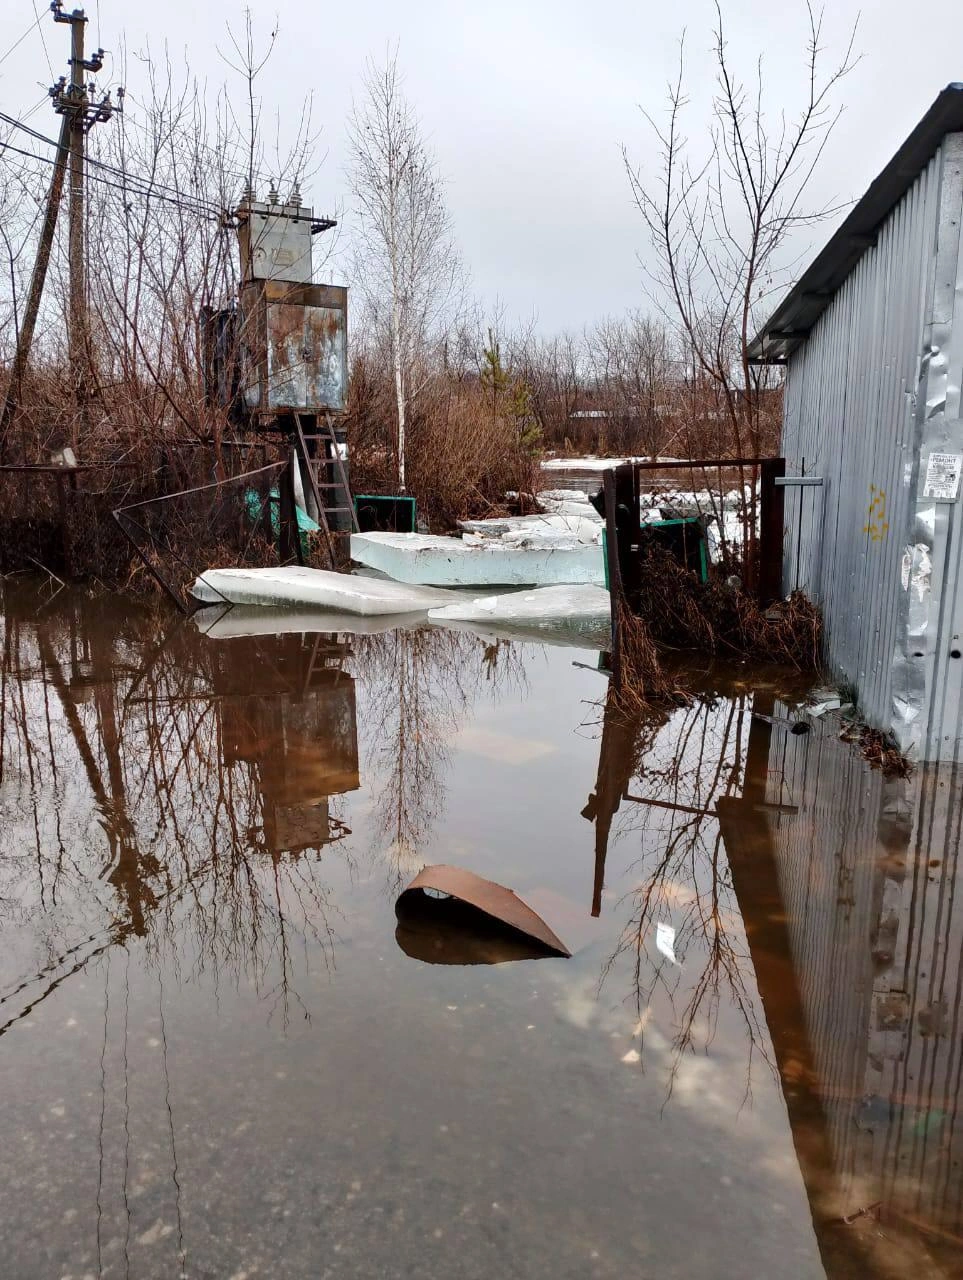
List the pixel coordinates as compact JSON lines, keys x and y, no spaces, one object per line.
{"x":772,"y":519}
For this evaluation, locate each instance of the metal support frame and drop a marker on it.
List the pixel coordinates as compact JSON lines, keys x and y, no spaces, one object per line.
{"x":772,"y":520}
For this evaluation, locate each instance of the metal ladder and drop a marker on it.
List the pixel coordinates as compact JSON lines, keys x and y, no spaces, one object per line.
{"x":328,"y":451}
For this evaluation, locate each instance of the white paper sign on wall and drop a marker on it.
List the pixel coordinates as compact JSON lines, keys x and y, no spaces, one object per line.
{"x":942,"y":481}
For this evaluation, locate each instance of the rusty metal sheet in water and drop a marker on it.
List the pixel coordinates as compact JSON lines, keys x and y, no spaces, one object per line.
{"x":486,"y":896}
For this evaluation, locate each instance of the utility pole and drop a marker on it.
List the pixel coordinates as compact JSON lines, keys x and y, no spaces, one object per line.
{"x":75,"y":102}
{"x":39,"y":275}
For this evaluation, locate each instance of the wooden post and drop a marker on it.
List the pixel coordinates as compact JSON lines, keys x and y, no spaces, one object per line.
{"x":772,"y":519}
{"x":628,"y":520}
{"x":65,"y":478}
{"x":614,"y":571}
{"x":25,"y":336}
{"x":289,"y":535}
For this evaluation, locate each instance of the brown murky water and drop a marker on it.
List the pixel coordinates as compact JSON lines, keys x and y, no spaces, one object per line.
{"x":217,"y":1059}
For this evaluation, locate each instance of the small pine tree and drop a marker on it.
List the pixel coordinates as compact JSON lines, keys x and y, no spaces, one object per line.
{"x":513,"y":397}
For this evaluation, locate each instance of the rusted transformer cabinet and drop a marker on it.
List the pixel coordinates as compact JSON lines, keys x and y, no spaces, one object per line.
{"x":293,"y":347}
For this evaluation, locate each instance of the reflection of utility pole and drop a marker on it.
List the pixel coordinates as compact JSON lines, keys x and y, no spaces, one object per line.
{"x":75,"y":103}
{"x":616,"y":768}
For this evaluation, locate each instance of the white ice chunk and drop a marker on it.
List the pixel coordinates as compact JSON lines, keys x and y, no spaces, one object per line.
{"x":545,"y":604}
{"x":563,"y":495}
{"x":601,"y":464}
{"x":570,"y":507}
{"x":229,"y":621}
{"x":449,"y":562}
{"x":316,"y":588}
{"x":573,"y":615}
{"x":529,"y":530}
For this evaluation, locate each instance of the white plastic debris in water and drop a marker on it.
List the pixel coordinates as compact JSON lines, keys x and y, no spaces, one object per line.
{"x":665,"y":941}
{"x":817,"y":709}
{"x":429,"y":559}
{"x":316,"y":588}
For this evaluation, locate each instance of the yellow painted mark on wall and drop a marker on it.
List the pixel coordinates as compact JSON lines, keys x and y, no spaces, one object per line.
{"x":876,"y":525}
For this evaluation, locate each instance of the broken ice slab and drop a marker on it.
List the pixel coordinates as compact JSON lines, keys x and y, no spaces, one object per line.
{"x":601,"y":464}
{"x":817,"y":709}
{"x":573,"y":614}
{"x":578,"y":496}
{"x":556,"y":635}
{"x":574,"y":505}
{"x":316,"y":588}
{"x":432,"y":560}
{"x":538,"y":529}
{"x":228,"y":622}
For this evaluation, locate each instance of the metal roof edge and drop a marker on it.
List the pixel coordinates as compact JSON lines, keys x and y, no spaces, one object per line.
{"x":795,"y":316}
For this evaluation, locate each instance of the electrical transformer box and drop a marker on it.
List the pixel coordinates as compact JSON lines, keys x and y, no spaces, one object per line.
{"x":293,"y":347}
{"x":275,"y":240}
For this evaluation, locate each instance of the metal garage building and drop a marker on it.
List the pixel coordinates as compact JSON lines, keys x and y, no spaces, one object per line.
{"x":872,"y":337}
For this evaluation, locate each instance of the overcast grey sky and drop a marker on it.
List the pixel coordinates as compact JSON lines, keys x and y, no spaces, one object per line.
{"x":527,"y":105}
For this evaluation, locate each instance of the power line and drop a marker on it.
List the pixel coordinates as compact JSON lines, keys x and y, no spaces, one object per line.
{"x":125,"y":189}
{"x":18,"y":43}
{"x":36,"y":107}
{"x":135,"y":182}
{"x":146,"y":182}
{"x":43,"y":41}
{"x":113,"y":169}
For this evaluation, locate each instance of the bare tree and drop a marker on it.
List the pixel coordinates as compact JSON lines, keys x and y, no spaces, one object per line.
{"x":719,"y":223}
{"x":408,"y":268}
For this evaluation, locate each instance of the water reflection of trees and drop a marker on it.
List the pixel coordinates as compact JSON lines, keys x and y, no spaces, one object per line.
{"x":419,"y":686}
{"x":163,"y":786}
{"x":660,"y":778}
{"x":134,"y":808}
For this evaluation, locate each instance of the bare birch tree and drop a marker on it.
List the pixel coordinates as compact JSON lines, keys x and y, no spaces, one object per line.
{"x":719,"y":222}
{"x":407,"y":266}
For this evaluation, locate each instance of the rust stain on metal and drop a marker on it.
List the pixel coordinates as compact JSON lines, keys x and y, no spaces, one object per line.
{"x":305,"y":357}
{"x":295,"y":346}
{"x":491,"y":899}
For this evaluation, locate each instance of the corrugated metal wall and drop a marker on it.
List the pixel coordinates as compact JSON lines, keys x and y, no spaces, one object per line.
{"x":874,"y":912}
{"x":854,"y":415}
{"x":933,"y":656}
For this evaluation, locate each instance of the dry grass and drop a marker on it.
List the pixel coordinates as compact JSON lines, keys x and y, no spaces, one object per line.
{"x":463,"y":454}
{"x":673,"y":610}
{"x":878,"y":749}
{"x":716,"y":618}
{"x":643,"y":681}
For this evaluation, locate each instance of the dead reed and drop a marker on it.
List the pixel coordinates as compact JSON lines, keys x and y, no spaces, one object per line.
{"x":718,"y":617}
{"x":878,"y":750}
{"x":643,"y":681}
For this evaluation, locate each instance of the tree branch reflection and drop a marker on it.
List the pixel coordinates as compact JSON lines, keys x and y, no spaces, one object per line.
{"x":186,"y":794}
{"x":659,"y":780}
{"x":419,"y":687}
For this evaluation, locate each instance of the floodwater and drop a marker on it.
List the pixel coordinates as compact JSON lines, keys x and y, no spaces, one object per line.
{"x":221,"y":1056}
